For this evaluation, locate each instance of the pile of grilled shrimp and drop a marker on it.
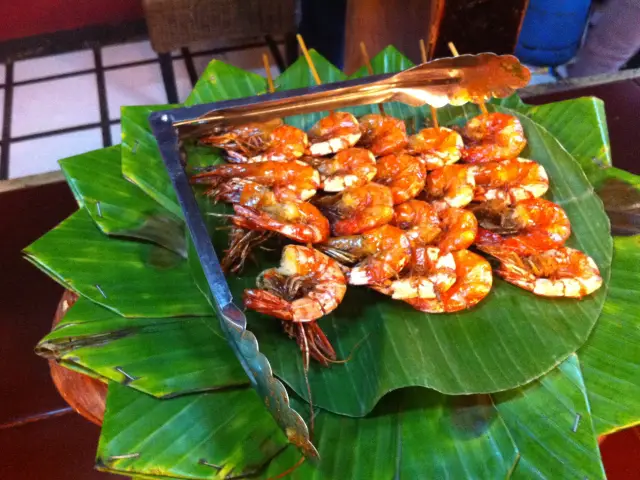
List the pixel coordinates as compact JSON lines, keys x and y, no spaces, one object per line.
{"x":366,"y":204}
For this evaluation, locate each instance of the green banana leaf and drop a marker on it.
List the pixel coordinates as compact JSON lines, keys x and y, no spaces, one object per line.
{"x":133,"y":279}
{"x":141,"y":163}
{"x":116,"y":205}
{"x":224,"y":434}
{"x":611,"y":357}
{"x":412,"y":433}
{"x":178,"y":355}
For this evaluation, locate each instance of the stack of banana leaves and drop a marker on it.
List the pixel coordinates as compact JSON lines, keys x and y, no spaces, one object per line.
{"x":520,"y":386}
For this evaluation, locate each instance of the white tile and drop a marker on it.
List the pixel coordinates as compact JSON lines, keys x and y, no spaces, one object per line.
{"x":116,"y":134}
{"x":40,"y":155}
{"x":127,"y":52}
{"x":183,"y":82}
{"x":141,"y":85}
{"x":3,"y":73}
{"x":53,"y":65}
{"x":55,"y":104}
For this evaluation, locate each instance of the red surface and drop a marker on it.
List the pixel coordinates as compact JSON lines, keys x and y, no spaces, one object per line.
{"x":34,"y":17}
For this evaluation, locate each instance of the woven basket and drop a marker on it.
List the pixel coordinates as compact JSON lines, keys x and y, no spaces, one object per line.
{"x":174,"y":24}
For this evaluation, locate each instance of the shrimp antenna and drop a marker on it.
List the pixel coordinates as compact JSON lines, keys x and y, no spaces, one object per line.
{"x":267,"y":69}
{"x":367,"y":62}
{"x":434,"y":112}
{"x":454,"y":52}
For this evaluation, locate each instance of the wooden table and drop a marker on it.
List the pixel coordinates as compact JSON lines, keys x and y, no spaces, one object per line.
{"x":41,"y":436}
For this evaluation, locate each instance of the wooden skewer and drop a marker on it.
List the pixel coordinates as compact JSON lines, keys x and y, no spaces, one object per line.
{"x":454,"y":52}
{"x":434,"y":112}
{"x":267,"y":68}
{"x":367,"y":62}
{"x":305,"y":52}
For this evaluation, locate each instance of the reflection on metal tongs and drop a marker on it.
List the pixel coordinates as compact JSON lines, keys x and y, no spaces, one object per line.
{"x":446,"y":81}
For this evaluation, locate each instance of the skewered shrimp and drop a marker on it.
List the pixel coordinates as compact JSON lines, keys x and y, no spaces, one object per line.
{"x":382,"y":134}
{"x":432,"y":272}
{"x":285,"y":143}
{"x":256,"y":207}
{"x":298,"y":221}
{"x":352,"y":167}
{"x":382,"y":253}
{"x":436,"y":147}
{"x":306,"y":286}
{"x":448,"y":228}
{"x":404,"y":174}
{"x":515,"y":179}
{"x":357,"y":209}
{"x":333,"y":133}
{"x":561,"y":272}
{"x":493,"y":136}
{"x":451,"y":185}
{"x":294,"y":181}
{"x":245,"y":140}
{"x":529,"y":227}
{"x":473,"y":283}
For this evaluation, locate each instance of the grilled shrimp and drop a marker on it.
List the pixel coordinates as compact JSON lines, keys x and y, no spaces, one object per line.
{"x":306,"y":286}
{"x":527,"y":228}
{"x":436,"y":147}
{"x":404,"y":174}
{"x":333,"y":133}
{"x":493,"y":136}
{"x":515,"y":179}
{"x":294,"y":180}
{"x":382,"y":134}
{"x":352,"y":167}
{"x":257,"y":207}
{"x":451,"y":185}
{"x":430,"y":273}
{"x":299,"y":221}
{"x":473,"y":283}
{"x":357,"y":209}
{"x":285,"y":143}
{"x":382,"y":253}
{"x":561,"y":272}
{"x":245,"y":140}
{"x":447,"y":228}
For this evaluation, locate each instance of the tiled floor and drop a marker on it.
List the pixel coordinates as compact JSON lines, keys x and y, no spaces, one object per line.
{"x":55,"y":101}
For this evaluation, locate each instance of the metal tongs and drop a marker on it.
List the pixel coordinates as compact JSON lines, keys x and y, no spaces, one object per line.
{"x":454,"y":81}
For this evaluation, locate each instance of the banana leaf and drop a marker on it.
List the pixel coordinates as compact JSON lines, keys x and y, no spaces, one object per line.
{"x":116,"y":205}
{"x":611,"y":357}
{"x":134,"y":279}
{"x":224,"y":434}
{"x":178,"y":354}
{"x":140,"y":156}
{"x":412,"y":433}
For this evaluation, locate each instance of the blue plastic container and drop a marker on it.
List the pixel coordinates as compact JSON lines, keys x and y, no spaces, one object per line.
{"x":552,"y":31}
